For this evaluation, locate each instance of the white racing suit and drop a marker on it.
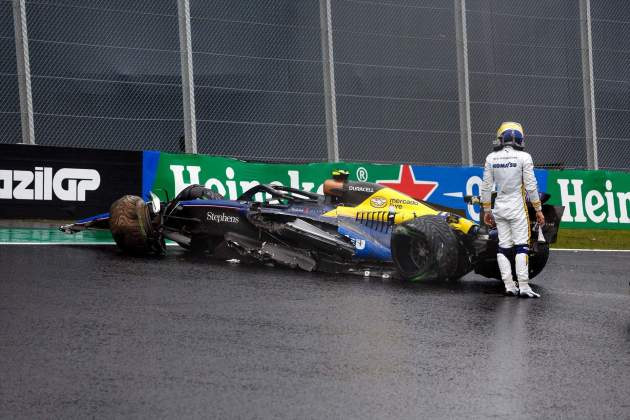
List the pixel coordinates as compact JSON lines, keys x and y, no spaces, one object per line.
{"x":513,"y":172}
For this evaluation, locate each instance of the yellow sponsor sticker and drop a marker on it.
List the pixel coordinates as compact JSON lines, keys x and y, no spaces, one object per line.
{"x":378,"y":202}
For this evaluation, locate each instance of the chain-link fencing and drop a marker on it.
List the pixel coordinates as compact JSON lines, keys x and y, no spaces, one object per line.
{"x":406,"y":85}
{"x":105,"y":74}
{"x":10,"y":131}
{"x":397,"y":97}
{"x":258,"y":79}
{"x":525,"y":65}
{"x":611,"y":58}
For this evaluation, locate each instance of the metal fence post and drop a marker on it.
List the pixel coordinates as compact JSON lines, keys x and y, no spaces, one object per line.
{"x":328,"y":65}
{"x":588,"y":83}
{"x":463,"y":89}
{"x":23,"y":71}
{"x":188,"y":84}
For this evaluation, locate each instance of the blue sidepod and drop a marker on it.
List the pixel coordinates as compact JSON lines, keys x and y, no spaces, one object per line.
{"x":370,"y":242}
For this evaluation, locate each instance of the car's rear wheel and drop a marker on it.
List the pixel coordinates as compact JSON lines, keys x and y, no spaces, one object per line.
{"x":425,"y":248}
{"x":537,"y":262}
{"x":539,"y":259}
{"x":130,"y":224}
{"x":196,"y":191}
{"x":193,"y":192}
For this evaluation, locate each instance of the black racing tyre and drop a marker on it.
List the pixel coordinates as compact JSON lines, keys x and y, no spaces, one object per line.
{"x":130,"y":224}
{"x":538,"y":261}
{"x":193,"y":192}
{"x":196,"y":191}
{"x":425,"y":248}
{"x":463,"y":263}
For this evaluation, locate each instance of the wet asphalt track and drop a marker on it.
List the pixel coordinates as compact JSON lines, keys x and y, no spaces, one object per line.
{"x":85,"y":332}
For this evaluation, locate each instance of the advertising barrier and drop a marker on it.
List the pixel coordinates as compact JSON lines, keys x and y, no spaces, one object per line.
{"x":592,"y":199}
{"x":64,"y":183}
{"x":167,"y":173}
{"x":53,"y":182}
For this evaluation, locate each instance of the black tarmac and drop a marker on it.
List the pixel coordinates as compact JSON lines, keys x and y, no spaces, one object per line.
{"x":88,"y":333}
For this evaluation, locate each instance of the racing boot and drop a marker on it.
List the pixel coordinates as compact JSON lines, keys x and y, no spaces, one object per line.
{"x":525,"y":290}
{"x":522,"y":272}
{"x":506,"y":274}
{"x":510,"y":288}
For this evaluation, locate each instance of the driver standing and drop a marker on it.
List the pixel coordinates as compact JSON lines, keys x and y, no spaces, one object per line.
{"x":512,"y":170}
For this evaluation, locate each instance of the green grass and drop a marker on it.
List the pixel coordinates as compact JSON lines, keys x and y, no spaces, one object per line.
{"x":593,"y":239}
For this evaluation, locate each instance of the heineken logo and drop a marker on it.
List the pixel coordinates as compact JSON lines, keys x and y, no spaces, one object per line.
{"x":230,"y":187}
{"x":593,"y":205}
{"x":407,"y":183}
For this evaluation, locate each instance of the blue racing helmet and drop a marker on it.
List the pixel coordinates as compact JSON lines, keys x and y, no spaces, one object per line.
{"x":510,"y":133}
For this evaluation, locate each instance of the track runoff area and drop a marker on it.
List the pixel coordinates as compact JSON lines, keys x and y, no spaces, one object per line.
{"x":88,"y":332}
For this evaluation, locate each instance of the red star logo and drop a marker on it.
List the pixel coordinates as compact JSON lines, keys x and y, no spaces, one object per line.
{"x":406,"y":183}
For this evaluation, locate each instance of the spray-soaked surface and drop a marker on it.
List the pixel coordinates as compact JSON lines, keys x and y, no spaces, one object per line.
{"x":85,"y":332}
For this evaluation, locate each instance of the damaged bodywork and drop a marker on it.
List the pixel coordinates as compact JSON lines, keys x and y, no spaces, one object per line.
{"x":354,"y":227}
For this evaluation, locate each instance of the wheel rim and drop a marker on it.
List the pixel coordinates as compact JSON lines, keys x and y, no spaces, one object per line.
{"x":419,"y":253}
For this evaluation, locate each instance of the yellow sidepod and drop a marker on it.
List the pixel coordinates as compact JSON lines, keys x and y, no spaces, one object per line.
{"x":387,"y":204}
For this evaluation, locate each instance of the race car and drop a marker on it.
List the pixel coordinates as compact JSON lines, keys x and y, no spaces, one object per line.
{"x":353,"y":227}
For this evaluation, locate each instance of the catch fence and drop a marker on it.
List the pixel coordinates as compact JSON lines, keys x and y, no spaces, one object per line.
{"x":422,"y":81}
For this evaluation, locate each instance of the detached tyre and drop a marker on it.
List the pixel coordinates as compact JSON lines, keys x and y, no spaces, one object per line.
{"x":425,"y":248}
{"x":130,"y":224}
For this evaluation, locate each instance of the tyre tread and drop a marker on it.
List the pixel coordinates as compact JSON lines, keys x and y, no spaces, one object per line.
{"x":130,"y":224}
{"x":443,"y":245}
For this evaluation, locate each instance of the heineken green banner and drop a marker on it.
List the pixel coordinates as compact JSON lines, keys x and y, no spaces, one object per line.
{"x":170,"y":173}
{"x":231,"y":177}
{"x":592,"y":199}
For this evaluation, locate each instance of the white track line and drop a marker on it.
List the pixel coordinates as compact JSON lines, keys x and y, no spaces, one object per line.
{"x":589,"y":250}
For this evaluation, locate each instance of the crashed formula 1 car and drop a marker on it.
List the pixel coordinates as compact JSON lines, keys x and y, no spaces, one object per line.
{"x":354,"y":227}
